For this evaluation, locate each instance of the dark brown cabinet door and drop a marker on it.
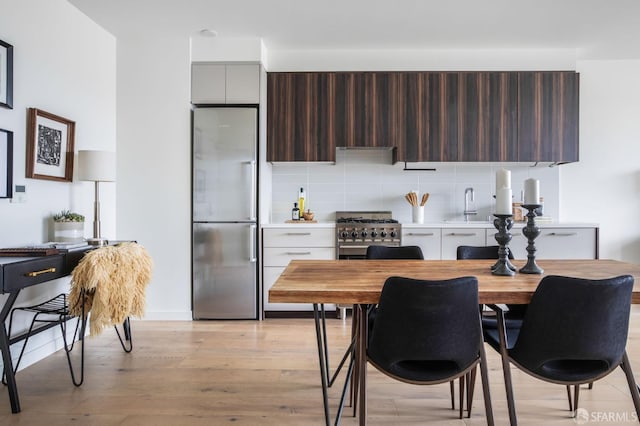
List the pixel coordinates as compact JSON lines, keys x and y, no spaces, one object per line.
{"x":548,"y":108}
{"x":460,"y":116}
{"x":301,"y":117}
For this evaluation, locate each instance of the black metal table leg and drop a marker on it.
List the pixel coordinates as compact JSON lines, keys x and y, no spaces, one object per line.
{"x":321,"y":358}
{"x":6,"y":354}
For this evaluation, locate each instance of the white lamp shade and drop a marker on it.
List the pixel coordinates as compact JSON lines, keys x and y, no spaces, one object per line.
{"x":97,"y":166}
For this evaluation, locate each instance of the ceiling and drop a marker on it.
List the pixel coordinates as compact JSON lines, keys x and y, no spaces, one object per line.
{"x":608,"y":29}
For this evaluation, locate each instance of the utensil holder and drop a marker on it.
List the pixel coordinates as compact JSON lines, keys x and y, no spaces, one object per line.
{"x":417,"y":214}
{"x":531,"y":231}
{"x":503,"y":266}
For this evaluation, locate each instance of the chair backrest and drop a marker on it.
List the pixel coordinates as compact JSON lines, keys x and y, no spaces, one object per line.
{"x":478,"y":252}
{"x":421,"y":322}
{"x":402,"y":252}
{"x":571,"y":319}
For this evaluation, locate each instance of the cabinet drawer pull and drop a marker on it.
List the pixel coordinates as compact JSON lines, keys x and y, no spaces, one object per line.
{"x":462,"y":234}
{"x":298,"y":233}
{"x":298,"y":253}
{"x":419,"y":234}
{"x":562,"y":234}
{"x":36,"y":273}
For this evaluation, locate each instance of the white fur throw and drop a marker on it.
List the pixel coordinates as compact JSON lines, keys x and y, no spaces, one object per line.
{"x":114,"y":279}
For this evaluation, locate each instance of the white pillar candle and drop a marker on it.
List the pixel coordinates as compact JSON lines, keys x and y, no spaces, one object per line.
{"x":503,"y":201}
{"x":503,"y":179}
{"x":531,"y":191}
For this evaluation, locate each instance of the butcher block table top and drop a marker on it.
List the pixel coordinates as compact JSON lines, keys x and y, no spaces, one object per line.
{"x":360,"y":281}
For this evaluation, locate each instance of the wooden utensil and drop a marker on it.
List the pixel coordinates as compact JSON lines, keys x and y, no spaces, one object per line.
{"x":425,"y":197}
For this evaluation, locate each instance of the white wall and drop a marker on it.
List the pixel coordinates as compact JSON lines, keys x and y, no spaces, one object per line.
{"x":604,"y":186}
{"x":64,"y":64}
{"x":154,"y":164}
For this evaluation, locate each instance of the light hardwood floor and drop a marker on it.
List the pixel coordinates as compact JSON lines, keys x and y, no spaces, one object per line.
{"x":266,"y":373}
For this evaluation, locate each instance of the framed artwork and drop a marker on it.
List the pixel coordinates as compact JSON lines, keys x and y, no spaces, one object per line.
{"x":6,"y":75}
{"x":6,"y":163}
{"x":50,"y":140}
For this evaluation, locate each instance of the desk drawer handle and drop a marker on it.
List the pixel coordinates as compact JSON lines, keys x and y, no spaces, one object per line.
{"x":418,"y":234}
{"x":36,"y":273}
{"x":562,"y":234}
{"x":462,"y":234}
{"x":298,"y":253}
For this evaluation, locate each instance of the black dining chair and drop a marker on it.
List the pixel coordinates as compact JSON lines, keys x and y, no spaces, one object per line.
{"x":417,"y":338}
{"x":516,"y":311}
{"x":415,"y":253}
{"x":400,"y":252}
{"x":574,"y":332}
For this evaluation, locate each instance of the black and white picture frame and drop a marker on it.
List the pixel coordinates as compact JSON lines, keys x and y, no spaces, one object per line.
{"x":6,"y":163}
{"x":50,"y":140}
{"x":6,"y":75}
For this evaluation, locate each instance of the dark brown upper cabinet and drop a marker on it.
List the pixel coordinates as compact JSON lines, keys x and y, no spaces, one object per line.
{"x":301,"y":117}
{"x":548,"y":116}
{"x":424,"y":116}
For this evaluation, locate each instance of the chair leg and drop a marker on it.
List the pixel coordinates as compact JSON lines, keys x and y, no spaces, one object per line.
{"x":569,"y":398}
{"x":452,"y":386}
{"x":484,"y":373}
{"x":462,"y":394}
{"x":81,"y":325}
{"x":471,"y":384}
{"x":126,"y":325}
{"x":576,"y":396}
{"x":506,"y":369}
{"x":633,"y":387}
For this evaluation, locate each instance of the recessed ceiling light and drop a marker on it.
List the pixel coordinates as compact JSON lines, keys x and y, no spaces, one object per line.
{"x":208,"y":33}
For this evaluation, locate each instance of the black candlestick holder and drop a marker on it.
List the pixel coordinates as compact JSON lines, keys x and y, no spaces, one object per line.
{"x":531,"y":231}
{"x":503,"y":224}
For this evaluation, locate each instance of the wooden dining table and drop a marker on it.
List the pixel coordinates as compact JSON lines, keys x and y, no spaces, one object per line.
{"x":359,"y":283}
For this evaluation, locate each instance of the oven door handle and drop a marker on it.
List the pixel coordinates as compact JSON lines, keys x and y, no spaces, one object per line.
{"x":360,"y":247}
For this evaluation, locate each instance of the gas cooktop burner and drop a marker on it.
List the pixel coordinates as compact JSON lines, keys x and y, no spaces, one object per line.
{"x":363,"y":220}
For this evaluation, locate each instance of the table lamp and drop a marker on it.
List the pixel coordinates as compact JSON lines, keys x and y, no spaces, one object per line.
{"x":97,"y":166}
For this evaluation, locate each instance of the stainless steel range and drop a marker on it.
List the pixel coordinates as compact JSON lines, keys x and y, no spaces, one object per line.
{"x":355,"y":231}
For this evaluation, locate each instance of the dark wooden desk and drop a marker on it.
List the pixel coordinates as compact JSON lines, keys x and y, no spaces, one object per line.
{"x":359,"y":283}
{"x":17,"y":273}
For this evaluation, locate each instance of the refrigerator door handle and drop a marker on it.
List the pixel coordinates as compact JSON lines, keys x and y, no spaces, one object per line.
{"x":253,"y":258}
{"x":252,"y":201}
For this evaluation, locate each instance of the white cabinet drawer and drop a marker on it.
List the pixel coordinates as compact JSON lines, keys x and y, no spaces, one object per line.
{"x":428,"y":239}
{"x":566,"y":243}
{"x":280,"y":256}
{"x":454,"y":237}
{"x":299,"y":237}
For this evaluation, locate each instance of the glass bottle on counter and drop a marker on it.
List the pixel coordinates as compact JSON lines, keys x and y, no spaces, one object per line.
{"x":301,"y":197}
{"x":295,"y":212}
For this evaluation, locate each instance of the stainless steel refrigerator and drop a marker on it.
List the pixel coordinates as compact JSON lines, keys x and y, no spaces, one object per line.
{"x":224,"y":240}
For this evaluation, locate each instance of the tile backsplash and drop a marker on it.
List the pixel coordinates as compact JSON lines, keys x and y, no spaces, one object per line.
{"x":366,"y":180}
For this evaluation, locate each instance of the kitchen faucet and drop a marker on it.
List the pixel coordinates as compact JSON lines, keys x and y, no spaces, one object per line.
{"x":468,"y":198}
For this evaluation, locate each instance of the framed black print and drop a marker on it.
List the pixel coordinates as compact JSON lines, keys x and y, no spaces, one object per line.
{"x":6,"y":75}
{"x":6,"y":163}
{"x":50,"y":140}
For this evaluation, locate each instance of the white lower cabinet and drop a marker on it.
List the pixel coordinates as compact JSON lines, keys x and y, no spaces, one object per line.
{"x":428,"y":239}
{"x":566,"y":243}
{"x":454,"y":237}
{"x":281,"y":245}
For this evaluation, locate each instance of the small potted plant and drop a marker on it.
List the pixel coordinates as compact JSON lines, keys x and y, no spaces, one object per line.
{"x":68,"y":226}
